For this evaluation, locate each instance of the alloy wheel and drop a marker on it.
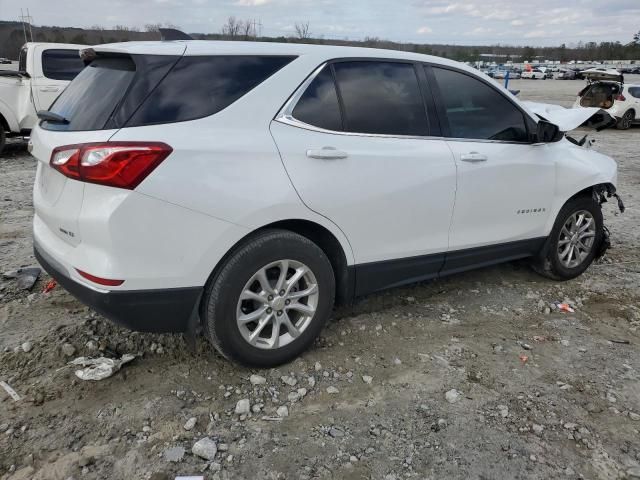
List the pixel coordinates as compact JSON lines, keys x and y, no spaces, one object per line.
{"x":576,"y":239}
{"x":277,"y":304}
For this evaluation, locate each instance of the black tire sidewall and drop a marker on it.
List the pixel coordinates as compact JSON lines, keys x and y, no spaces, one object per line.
{"x":221,"y":300}
{"x":572,"y":206}
{"x":3,"y":139}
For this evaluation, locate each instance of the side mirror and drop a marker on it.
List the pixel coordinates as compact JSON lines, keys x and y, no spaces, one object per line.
{"x":547,"y":132}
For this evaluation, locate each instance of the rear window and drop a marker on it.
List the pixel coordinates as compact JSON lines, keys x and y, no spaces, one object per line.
{"x":199,"y":86}
{"x":90,"y":99}
{"x":127,"y":91}
{"x":61,"y":64}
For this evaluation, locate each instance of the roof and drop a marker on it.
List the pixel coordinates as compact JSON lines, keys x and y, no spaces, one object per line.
{"x":217,"y":47}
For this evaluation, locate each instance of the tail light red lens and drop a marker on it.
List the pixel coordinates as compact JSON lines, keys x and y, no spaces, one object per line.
{"x":115,"y":164}
{"x":620,"y":97}
{"x":100,"y":281}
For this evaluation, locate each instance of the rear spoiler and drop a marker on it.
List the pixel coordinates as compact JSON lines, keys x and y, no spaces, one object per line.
{"x":167,"y":34}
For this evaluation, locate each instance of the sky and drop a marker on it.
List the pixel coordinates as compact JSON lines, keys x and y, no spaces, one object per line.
{"x":462,"y":22}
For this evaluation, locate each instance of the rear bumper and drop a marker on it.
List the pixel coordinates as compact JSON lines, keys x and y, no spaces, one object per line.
{"x":158,"y":310}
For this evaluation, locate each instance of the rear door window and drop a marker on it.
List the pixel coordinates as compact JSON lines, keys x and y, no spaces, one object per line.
{"x":381,"y":97}
{"x":88,"y":101}
{"x":634,"y":91}
{"x":22,"y":60}
{"x":61,"y":64}
{"x":476,"y":110}
{"x":319,"y":105}
{"x":199,"y":86}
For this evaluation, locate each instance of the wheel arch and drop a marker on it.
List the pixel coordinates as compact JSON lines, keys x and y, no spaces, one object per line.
{"x":321,"y":236}
{"x":7,"y":119}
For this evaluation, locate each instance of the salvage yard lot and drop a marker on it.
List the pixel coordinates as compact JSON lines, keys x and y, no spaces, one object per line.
{"x":473,"y":376}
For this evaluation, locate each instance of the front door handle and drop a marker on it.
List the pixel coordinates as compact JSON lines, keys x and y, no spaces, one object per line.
{"x":327,"y":153}
{"x":473,"y":157}
{"x":49,"y":89}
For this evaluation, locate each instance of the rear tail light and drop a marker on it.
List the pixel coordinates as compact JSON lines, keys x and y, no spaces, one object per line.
{"x":620,"y":97}
{"x":115,"y":164}
{"x":100,"y":281}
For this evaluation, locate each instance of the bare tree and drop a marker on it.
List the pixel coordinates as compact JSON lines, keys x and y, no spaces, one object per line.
{"x":302,"y":30}
{"x":152,"y":27}
{"x":232,"y":28}
{"x":248,"y":29}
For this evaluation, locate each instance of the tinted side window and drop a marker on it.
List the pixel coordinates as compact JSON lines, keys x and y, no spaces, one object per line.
{"x":381,"y":97}
{"x":199,"y":86}
{"x":22,"y":60}
{"x":318,"y":105}
{"x":634,"y":91}
{"x":476,"y":110}
{"x":61,"y":64}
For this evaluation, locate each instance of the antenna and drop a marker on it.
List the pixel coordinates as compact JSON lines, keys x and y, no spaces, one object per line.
{"x":26,"y":20}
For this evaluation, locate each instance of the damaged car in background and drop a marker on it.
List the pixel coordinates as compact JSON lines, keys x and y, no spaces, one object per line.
{"x":606,"y":89}
{"x":366,"y":169}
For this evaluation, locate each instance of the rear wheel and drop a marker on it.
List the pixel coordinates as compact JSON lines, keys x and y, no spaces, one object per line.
{"x":625,"y":122}
{"x":270,"y":300}
{"x":574,"y":240}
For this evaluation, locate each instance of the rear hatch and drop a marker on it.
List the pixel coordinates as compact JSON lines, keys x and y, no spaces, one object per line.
{"x":91,"y":109}
{"x":600,"y":94}
{"x":600,"y":74}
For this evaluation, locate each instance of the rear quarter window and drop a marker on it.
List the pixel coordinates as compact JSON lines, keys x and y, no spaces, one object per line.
{"x":61,"y":64}
{"x":199,"y":86}
{"x":634,"y":91}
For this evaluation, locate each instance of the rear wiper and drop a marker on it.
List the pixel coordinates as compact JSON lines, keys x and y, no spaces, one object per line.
{"x":51,"y":117}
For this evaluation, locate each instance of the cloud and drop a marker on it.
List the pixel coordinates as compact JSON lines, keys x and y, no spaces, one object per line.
{"x":251,"y":3}
{"x":424,"y":30}
{"x":517,"y":23}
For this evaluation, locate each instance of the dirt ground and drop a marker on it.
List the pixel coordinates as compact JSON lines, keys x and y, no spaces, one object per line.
{"x":372,"y":400}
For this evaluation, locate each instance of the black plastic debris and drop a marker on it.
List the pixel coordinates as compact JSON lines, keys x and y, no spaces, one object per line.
{"x":25,"y":277}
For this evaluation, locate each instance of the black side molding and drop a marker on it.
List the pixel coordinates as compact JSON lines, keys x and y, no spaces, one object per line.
{"x":375,"y":276}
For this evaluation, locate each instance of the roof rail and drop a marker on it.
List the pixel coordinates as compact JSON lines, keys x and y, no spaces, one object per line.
{"x":167,"y":34}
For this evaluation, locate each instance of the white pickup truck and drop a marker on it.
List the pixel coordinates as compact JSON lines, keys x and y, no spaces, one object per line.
{"x":44,"y":70}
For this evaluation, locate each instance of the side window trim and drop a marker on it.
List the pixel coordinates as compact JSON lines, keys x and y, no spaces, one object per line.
{"x":343,"y":117}
{"x":442,"y":114}
{"x":285,"y":114}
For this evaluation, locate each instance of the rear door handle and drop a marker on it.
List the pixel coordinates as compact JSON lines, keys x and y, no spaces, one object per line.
{"x":49,"y":89}
{"x":327,"y":153}
{"x":473,"y":157}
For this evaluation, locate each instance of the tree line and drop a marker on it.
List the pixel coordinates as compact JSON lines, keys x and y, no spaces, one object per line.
{"x":12,"y":38}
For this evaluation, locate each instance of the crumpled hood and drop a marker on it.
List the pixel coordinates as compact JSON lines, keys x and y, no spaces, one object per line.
{"x":571,"y":118}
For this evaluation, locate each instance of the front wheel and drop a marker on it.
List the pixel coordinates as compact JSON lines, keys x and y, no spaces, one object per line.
{"x":270,"y":300}
{"x":574,"y":240}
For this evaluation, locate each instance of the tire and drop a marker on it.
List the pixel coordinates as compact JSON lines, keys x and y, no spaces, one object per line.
{"x":3,"y":139}
{"x":223,"y":308}
{"x":549,"y":262}
{"x":625,"y":122}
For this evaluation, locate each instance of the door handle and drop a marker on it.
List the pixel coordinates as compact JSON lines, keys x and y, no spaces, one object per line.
{"x":327,"y":153}
{"x":473,"y":157}
{"x":49,"y":89}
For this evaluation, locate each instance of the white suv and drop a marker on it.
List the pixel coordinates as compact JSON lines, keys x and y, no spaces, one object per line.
{"x":606,"y":89}
{"x":245,"y":187}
